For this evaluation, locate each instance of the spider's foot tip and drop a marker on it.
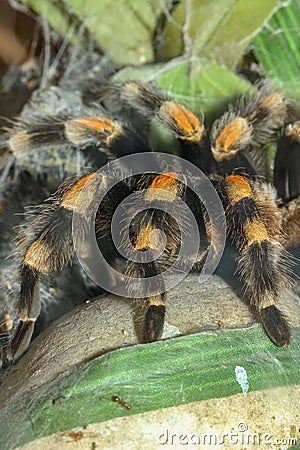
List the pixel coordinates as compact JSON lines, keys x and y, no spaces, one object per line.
{"x":275,"y":325}
{"x":153,"y":323}
{"x":16,"y":342}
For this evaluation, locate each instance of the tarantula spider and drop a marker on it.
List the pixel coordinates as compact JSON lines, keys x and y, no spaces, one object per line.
{"x":260,"y":226}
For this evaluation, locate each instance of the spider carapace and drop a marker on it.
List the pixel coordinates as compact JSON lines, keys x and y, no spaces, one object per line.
{"x":262,"y":221}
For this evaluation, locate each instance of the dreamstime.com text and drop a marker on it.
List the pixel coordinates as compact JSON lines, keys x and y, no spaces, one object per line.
{"x":240,"y":436}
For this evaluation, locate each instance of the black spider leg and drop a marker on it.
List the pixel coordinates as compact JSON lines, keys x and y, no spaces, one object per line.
{"x":287,"y":182}
{"x":263,"y":263}
{"x":46,"y":245}
{"x":188,"y":130}
{"x":155,"y":237}
{"x":287,"y":163}
{"x":201,"y":216}
{"x":245,"y":129}
{"x":109,"y":136}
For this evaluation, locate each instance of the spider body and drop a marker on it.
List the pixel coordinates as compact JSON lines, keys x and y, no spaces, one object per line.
{"x":254,"y":216}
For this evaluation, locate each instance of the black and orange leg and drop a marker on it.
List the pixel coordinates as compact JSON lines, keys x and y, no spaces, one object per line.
{"x":188,"y":129}
{"x":153,"y":302}
{"x":287,"y":182}
{"x":155,"y":236}
{"x":238,"y":137}
{"x":287,"y":163}
{"x":250,"y":122}
{"x":263,"y":264}
{"x":82,"y":132}
{"x":45,"y":245}
{"x":291,"y":223}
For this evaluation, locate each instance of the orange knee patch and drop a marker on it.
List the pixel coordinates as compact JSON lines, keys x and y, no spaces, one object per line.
{"x":155,"y":300}
{"x":235,"y":134}
{"x":98,"y":124}
{"x":144,"y":240}
{"x":85,"y":128}
{"x":184,"y":119}
{"x":293,"y":131}
{"x":71,"y":196}
{"x":238,"y":187}
{"x":167,"y":182}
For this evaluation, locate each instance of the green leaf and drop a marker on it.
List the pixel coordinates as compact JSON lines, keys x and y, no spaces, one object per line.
{"x":220,"y":30}
{"x":277,"y":47}
{"x":124,"y":29}
{"x":127,"y":29}
{"x":59,"y":18}
{"x":148,"y":377}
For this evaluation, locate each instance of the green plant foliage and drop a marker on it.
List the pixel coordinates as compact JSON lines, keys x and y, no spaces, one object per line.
{"x":57,"y":16}
{"x":124,"y":29}
{"x":152,"y":376}
{"x":218,"y":30}
{"x":127,"y":30}
{"x":277,"y":47}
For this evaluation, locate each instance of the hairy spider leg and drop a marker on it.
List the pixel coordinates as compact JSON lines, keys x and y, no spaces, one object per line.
{"x":248,"y":125}
{"x":287,"y":163}
{"x":263,"y":263}
{"x":108,"y":135}
{"x":46,"y":245}
{"x":186,"y":127}
{"x":291,"y":223}
{"x":153,"y":193}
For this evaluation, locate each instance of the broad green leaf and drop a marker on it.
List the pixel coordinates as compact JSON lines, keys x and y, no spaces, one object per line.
{"x":218,"y":30}
{"x":124,"y":29}
{"x":57,"y":16}
{"x":150,"y":377}
{"x":277,"y":48}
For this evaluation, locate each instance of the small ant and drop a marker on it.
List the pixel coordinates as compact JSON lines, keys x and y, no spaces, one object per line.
{"x":220,"y":323}
{"x":76,"y":436}
{"x":121,"y":402}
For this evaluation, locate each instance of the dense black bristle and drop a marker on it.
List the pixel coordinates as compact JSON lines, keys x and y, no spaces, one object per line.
{"x":260,"y":266}
{"x":287,"y":164}
{"x":275,"y":325}
{"x":29,"y":280}
{"x":153,"y":323}
{"x":245,"y":209}
{"x":29,"y":135}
